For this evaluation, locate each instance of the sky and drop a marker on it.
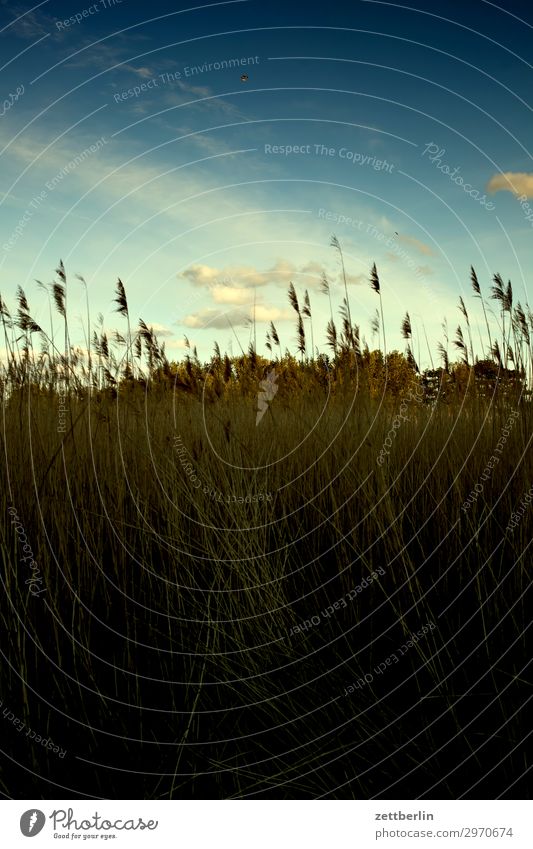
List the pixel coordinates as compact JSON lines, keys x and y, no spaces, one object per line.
{"x":130,"y":148}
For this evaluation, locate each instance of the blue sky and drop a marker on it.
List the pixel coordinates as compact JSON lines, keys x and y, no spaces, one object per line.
{"x":130,"y":148}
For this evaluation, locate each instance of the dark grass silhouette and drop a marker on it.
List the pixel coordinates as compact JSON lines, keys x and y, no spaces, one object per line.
{"x":160,"y":652}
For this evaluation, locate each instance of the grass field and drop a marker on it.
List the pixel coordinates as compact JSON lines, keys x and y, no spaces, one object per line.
{"x":214,"y":607}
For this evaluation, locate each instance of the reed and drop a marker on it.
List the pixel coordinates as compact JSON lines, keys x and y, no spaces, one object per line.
{"x":180,"y":545}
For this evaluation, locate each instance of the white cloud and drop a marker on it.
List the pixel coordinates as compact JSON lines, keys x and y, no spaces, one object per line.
{"x":280,"y":274}
{"x":160,"y":330}
{"x":213,"y":318}
{"x":231,"y":295}
{"x":201,"y":275}
{"x":265,"y":313}
{"x":314,"y":268}
{"x":178,"y":344}
{"x":517,"y":182}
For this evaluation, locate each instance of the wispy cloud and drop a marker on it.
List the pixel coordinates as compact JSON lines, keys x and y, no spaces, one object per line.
{"x":313,"y":268}
{"x":144,"y":73}
{"x":196,"y":90}
{"x":29,"y":25}
{"x":104,"y":56}
{"x":354,"y":279}
{"x":419,"y":246}
{"x":121,"y":179}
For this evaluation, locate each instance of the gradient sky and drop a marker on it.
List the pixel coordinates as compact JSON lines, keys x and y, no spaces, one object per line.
{"x":184,"y":202}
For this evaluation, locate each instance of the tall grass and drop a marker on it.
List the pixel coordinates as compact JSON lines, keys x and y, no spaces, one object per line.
{"x":161,"y":654}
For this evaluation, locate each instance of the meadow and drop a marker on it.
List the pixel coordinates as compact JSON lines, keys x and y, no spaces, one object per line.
{"x":324,"y":600}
